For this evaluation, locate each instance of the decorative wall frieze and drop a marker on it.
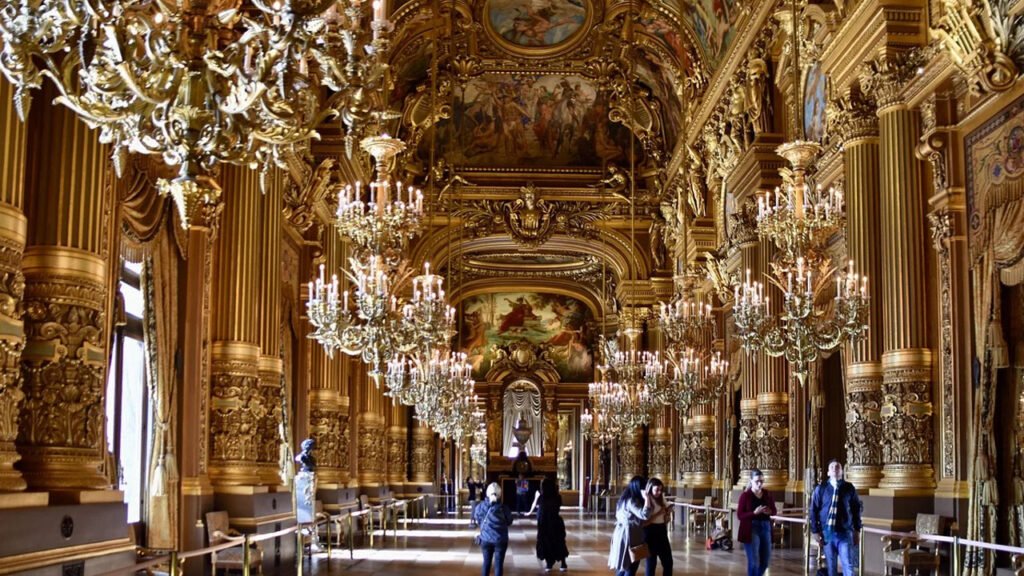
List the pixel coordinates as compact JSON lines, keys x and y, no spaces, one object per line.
{"x":12,"y":342}
{"x":659,"y":455}
{"x":701,"y":448}
{"x":328,"y":426}
{"x":772,"y":441}
{"x":631,"y":461}
{"x":532,"y":221}
{"x":864,"y":424}
{"x":941,"y":224}
{"x":686,"y":456}
{"x":748,"y":435}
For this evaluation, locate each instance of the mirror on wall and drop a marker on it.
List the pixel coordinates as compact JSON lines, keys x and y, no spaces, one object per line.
{"x":568,"y":455}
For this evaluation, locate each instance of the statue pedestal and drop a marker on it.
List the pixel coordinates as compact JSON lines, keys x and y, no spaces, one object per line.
{"x":305,"y":497}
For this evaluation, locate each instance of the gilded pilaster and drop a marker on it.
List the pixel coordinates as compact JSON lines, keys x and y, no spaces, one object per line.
{"x":269,"y":318}
{"x":745,"y":238}
{"x":13,"y":231}
{"x":423,"y":454}
{"x":772,"y":389}
{"x":702,"y":447}
{"x":858,"y":127}
{"x":906,"y":411}
{"x":238,"y":404}
{"x":68,"y":193}
{"x":631,"y":454}
{"x":372,"y":437}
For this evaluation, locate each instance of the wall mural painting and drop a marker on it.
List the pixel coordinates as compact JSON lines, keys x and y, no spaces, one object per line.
{"x":714,"y":23}
{"x":815,"y":100}
{"x":536,"y":23}
{"x":561,"y":322}
{"x":540,"y":120}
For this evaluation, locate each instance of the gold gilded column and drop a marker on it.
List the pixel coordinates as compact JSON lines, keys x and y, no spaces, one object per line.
{"x":328,"y":418}
{"x":398,"y":453}
{"x":13,"y":230}
{"x":424,"y":456}
{"x":701,"y":427}
{"x":745,"y":235}
{"x":858,"y":128}
{"x":271,"y":364}
{"x":906,"y":412}
{"x":237,"y":406}
{"x":371,"y":433}
{"x":659,"y":456}
{"x":684,"y":456}
{"x":68,"y":191}
{"x":631,"y":454}
{"x":772,"y":389}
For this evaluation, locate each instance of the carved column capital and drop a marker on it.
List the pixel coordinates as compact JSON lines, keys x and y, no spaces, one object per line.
{"x":856,"y":117}
{"x":885,"y":77}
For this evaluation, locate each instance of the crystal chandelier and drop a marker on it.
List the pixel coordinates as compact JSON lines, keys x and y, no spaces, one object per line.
{"x":689,"y":376}
{"x":478,"y":450}
{"x":382,"y":217}
{"x":198,"y":82}
{"x":799,"y":219}
{"x":622,"y":394}
{"x":375,"y":332}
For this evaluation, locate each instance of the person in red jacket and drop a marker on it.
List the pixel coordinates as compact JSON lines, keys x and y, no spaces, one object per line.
{"x":755,"y":509}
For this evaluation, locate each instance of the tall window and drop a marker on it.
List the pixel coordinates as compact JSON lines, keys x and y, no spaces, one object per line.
{"x":128,"y":422}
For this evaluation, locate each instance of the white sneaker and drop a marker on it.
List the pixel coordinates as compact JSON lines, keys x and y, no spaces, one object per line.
{"x":564,"y":568}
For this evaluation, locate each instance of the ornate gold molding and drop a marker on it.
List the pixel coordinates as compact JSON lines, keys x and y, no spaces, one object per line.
{"x":941,"y":223}
{"x":398,"y":455}
{"x":864,"y":424}
{"x":977,"y":35}
{"x":630,"y":456}
{"x":371,"y":441}
{"x":659,"y":457}
{"x":884,"y":78}
{"x":532,"y":221}
{"x":13,"y":229}
{"x":423,"y":458}
{"x":906,"y":412}
{"x":237,"y":410}
{"x":853,"y":116}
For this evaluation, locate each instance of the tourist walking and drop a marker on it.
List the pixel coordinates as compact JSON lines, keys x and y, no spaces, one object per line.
{"x":630,"y":515}
{"x":755,"y":509}
{"x":835,"y":519}
{"x":551,"y":546}
{"x":522,"y":493}
{"x":494,"y":518}
{"x":656,"y":530}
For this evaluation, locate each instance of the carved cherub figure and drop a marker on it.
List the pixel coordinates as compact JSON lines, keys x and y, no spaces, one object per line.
{"x":615,"y":183}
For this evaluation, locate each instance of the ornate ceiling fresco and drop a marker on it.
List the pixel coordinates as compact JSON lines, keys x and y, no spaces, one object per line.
{"x":580,"y":102}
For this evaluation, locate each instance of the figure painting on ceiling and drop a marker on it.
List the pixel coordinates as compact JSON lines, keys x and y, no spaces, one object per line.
{"x":815,"y":100}
{"x":543,"y":120}
{"x":536,"y":23}
{"x":560,"y":322}
{"x":714,"y":22}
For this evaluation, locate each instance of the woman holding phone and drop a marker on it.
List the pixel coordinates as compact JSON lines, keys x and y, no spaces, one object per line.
{"x":755,"y":509}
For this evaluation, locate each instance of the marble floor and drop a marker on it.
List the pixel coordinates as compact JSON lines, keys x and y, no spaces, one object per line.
{"x":444,"y":546}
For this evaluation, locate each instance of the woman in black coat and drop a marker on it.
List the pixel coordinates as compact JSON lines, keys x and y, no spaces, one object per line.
{"x":551,"y":546}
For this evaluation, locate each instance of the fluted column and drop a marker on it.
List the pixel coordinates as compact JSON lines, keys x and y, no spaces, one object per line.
{"x":238,"y":408}
{"x":328,"y":417}
{"x":772,"y":389}
{"x":906,"y":412}
{"x":631,"y":454}
{"x":750,"y":262}
{"x":13,"y":231}
{"x":424,"y":457}
{"x":858,"y":126}
{"x":68,"y":193}
{"x":398,"y":452}
{"x":271,"y":364}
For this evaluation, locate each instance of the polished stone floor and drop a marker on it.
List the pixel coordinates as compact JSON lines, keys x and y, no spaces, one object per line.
{"x":444,"y":546}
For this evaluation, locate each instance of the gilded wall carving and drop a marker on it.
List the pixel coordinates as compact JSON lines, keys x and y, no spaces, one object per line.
{"x":748,"y":443}
{"x":327,"y":427}
{"x":884,"y":78}
{"x":942,"y":230}
{"x":64,"y":364}
{"x":863,"y":426}
{"x":372,"y":455}
{"x":398,"y":457}
{"x":702,"y":451}
{"x":984,"y":40}
{"x":12,"y":342}
{"x":907,"y":416}
{"x":660,"y":457}
{"x":853,"y":116}
{"x":686,"y":456}
{"x":423,"y":455}
{"x":238,"y":409}
{"x":772,"y":433}
{"x":269,"y":433}
{"x":630,"y":456}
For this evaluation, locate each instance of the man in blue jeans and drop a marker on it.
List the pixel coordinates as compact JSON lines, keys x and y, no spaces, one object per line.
{"x":522,"y":494}
{"x":835,"y":519}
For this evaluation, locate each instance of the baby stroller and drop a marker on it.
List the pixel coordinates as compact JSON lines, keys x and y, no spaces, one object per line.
{"x":721,"y":535}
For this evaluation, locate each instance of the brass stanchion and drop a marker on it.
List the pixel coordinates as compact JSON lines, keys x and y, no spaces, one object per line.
{"x":807,"y":548}
{"x":245,"y":555}
{"x":300,"y":552}
{"x":351,"y":537}
{"x":173,"y":570}
{"x":956,"y":555}
{"x":860,"y":553}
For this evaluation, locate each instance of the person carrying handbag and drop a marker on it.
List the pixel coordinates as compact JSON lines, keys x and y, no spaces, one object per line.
{"x":627,"y":546}
{"x":494,"y":518}
{"x":659,"y":516}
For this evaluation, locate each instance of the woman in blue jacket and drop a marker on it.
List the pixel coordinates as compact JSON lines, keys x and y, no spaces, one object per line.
{"x":493,"y":518}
